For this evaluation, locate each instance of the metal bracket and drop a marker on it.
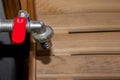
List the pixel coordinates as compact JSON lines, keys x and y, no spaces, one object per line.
{"x":41,"y":32}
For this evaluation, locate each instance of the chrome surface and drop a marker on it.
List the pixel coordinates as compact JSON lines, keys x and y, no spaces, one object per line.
{"x":41,"y":33}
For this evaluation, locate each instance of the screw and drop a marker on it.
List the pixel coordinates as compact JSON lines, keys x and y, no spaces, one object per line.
{"x":46,"y":45}
{"x":23,"y":13}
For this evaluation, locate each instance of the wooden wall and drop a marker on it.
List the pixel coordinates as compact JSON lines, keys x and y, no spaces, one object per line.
{"x":76,"y":6}
{"x":96,"y":54}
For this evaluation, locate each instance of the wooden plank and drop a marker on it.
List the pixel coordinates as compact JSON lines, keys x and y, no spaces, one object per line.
{"x":31,"y":9}
{"x":76,"y":6}
{"x":32,"y":63}
{"x":80,"y":77}
{"x":11,"y":8}
{"x":61,"y":79}
{"x":57,"y":79}
{"x":28,"y":5}
{"x":88,"y":43}
{"x":82,"y":22}
{"x":24,"y":4}
{"x":81,"y":67}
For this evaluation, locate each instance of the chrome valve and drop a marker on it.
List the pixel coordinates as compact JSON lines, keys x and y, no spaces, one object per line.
{"x":41,"y":32}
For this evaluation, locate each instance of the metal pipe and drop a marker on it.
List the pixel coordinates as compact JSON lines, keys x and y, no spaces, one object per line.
{"x":41,"y":32}
{"x":37,"y":26}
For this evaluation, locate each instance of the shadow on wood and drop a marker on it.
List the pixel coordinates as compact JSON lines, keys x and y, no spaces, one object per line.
{"x":46,"y":53}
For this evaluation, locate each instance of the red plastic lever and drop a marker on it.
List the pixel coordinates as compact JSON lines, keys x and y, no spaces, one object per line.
{"x":19,"y":30}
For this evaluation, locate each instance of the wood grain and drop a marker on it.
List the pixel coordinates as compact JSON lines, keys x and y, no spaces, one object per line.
{"x":82,"y":22}
{"x":24,"y":4}
{"x":31,"y":9}
{"x":83,"y":43}
{"x":101,"y":50}
{"x":28,"y":5}
{"x":11,"y":8}
{"x":76,"y":6}
{"x":32,"y":62}
{"x":82,"y":67}
{"x":88,"y":43}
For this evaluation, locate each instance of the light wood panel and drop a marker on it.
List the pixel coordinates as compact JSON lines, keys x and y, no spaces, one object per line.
{"x":88,"y":43}
{"x":74,"y":16}
{"x":66,"y":44}
{"x":82,"y":22}
{"x":81,"y":67}
{"x":76,"y":6}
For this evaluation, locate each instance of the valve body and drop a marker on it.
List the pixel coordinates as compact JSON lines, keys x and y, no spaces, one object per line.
{"x":41,"y":33}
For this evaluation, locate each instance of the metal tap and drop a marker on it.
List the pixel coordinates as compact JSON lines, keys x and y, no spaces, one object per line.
{"x":41,"y":32}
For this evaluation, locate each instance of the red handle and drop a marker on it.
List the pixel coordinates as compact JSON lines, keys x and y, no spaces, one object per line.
{"x":19,"y":30}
